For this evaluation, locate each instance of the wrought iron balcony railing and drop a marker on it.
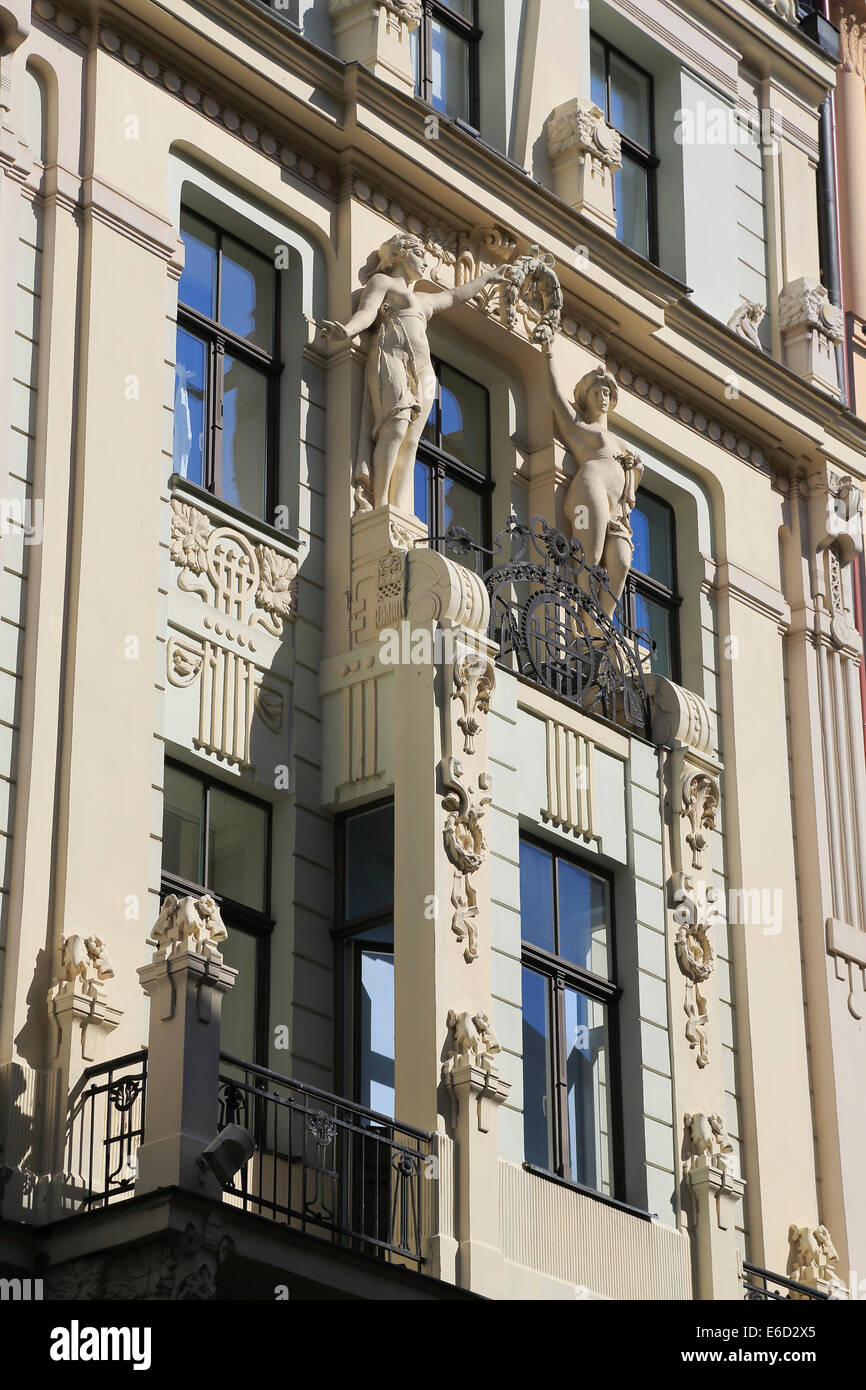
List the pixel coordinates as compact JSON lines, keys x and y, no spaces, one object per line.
{"x":326,"y":1166}
{"x":759,"y":1285}
{"x":106,"y":1124}
{"x":555,"y":620}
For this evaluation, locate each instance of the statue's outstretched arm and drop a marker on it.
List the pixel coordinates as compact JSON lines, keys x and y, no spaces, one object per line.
{"x":446,"y":299}
{"x":561,"y":409}
{"x":364,"y":316}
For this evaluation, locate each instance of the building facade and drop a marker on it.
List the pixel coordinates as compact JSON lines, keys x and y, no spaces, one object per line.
{"x":394,"y":903}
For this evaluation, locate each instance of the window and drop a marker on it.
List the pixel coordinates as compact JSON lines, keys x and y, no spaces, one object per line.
{"x":226,"y":387}
{"x":651,"y":600}
{"x":625,"y":94}
{"x":217,"y":841}
{"x":452,"y":472}
{"x":365,"y":931}
{"x":568,"y":1019}
{"x":445,"y":58}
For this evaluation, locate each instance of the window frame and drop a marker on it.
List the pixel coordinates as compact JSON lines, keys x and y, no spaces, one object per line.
{"x":346,"y":934}
{"x":236,"y":915}
{"x":219,"y":341}
{"x":559,"y":974}
{"x":445,"y":466}
{"x":467,"y":29}
{"x":646,"y":158}
{"x":642,"y":585}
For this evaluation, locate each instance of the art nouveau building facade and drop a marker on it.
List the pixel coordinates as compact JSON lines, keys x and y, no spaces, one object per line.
{"x":525,"y":955}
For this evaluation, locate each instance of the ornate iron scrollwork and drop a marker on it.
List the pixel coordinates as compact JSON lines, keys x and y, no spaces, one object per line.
{"x":546,"y":616}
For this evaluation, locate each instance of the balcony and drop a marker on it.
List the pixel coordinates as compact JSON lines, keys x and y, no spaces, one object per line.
{"x":554,"y":621}
{"x":760,"y":1286}
{"x":325,"y":1166}
{"x":322,"y":1165}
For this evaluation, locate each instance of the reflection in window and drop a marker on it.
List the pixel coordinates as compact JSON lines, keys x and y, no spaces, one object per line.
{"x":625,"y":94}
{"x":568,"y":996}
{"x":452,"y":472}
{"x":651,"y":601}
{"x":226,"y":378}
{"x":445,"y":58}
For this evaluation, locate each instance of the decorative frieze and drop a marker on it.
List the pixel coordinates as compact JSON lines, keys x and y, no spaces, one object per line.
{"x":570,"y":781}
{"x":249,"y":593}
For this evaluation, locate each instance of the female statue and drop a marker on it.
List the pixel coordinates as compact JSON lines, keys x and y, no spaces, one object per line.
{"x":400,"y":377}
{"x":599,"y":501}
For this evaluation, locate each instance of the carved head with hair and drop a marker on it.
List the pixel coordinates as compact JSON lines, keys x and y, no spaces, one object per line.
{"x":597,"y":377}
{"x":397,"y":248}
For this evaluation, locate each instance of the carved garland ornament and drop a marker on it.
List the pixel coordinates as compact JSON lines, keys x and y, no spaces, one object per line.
{"x":466,"y":848}
{"x":249,"y":587}
{"x":700,"y":804}
{"x":694,"y":915}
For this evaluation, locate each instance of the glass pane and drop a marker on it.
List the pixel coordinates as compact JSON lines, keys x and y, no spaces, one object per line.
{"x":657,"y":620}
{"x":461,"y":7}
{"x":537,"y":1100}
{"x":190,"y":407}
{"x":197,"y":286}
{"x":630,"y":102}
{"x":630,"y":192}
{"x":463,"y":507}
{"x":536,"y":896}
{"x":247,"y":295}
{"x":583,"y":917}
{"x":413,"y":55}
{"x":450,"y":72}
{"x":245,"y":428}
{"x":598,"y":87}
{"x":370,"y":862}
{"x":422,"y":493}
{"x":182,"y":814}
{"x":587,"y":1097}
{"x":376,"y":1032}
{"x":464,"y":420}
{"x":237,"y":849}
{"x":238,"y":1017}
{"x":651,"y":524}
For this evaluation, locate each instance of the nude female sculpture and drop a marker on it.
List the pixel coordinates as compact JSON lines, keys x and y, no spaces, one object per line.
{"x":600,"y":498}
{"x":400,"y":378}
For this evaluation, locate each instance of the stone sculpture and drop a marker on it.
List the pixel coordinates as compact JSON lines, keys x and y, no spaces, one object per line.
{"x":401,"y":382}
{"x":599,"y":501}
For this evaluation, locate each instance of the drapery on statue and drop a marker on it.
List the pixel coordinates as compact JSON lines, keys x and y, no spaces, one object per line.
{"x":400,"y":378}
{"x":599,"y":501}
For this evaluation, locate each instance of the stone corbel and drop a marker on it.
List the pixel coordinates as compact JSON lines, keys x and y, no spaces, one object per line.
{"x":440,"y":591}
{"x":716,"y":1195}
{"x":812,"y":1260}
{"x":470,"y":1071}
{"x":811,"y":327}
{"x":585,"y":153}
{"x":78,"y":998}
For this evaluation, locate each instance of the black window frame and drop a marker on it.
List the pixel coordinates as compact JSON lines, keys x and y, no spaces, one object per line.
{"x":467,"y":29}
{"x":559,"y":974}
{"x":346,"y":933}
{"x":646,"y":586}
{"x":646,"y":158}
{"x":220,"y":340}
{"x":237,"y":916}
{"x":445,"y":466}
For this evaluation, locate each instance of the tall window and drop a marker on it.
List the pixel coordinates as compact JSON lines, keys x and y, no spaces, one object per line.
{"x":226,"y":391}
{"x":568,"y":1006}
{"x":624,"y":93}
{"x":365,"y":931}
{"x":217,"y":841}
{"x":452,"y":472}
{"x":651,"y":599}
{"x":445,"y":58}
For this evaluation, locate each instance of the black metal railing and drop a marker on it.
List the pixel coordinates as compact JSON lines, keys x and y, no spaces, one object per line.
{"x":556,"y":622}
{"x":325,"y":1165}
{"x":105,"y":1129}
{"x":760,"y":1285}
